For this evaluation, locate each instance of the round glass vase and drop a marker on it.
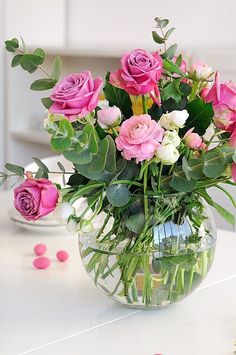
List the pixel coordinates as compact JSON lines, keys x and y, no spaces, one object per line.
{"x":152,"y":252}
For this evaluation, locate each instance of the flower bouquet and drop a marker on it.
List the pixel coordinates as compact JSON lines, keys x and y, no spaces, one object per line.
{"x":143,"y":160}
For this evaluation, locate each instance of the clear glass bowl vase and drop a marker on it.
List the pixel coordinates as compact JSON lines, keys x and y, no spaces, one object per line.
{"x":152,"y":252}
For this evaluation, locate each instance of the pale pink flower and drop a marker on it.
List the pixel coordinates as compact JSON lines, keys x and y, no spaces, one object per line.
{"x":193,"y":140}
{"x":139,"y":138}
{"x":109,"y":117}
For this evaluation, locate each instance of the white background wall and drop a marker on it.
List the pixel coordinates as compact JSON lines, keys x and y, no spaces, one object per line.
{"x":2,"y":88}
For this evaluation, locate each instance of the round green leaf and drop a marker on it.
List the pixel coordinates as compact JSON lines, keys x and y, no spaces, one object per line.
{"x":118,"y":195}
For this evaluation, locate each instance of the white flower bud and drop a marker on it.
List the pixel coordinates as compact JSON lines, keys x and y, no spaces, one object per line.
{"x":72,"y":226}
{"x":86,"y":226}
{"x":109,"y":117}
{"x":167,"y":154}
{"x":201,"y":70}
{"x":174,"y":120}
{"x":63,"y":212}
{"x":171,"y":137}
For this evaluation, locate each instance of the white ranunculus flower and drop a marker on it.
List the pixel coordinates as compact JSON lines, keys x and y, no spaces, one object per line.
{"x":171,"y":137}
{"x":63,"y":212}
{"x":167,"y":154}
{"x":174,"y":120}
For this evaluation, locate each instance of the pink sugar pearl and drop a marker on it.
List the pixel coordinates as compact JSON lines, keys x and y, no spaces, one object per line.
{"x":62,"y":255}
{"x":42,"y":262}
{"x":40,"y":249}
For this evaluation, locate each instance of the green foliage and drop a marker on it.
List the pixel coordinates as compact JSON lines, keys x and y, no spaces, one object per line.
{"x":47,"y":102}
{"x":62,"y":138}
{"x":229,"y":217}
{"x":213,"y":163}
{"x":156,"y":38}
{"x":56,"y":68}
{"x":179,"y":182}
{"x":43,"y":84}
{"x":16,"y":60}
{"x":30,"y":62}
{"x":172,"y":90}
{"x":170,"y":52}
{"x":12,"y":45}
{"x":118,"y":97}
{"x":172,"y":67}
{"x":161,"y":23}
{"x":200,"y":116}
{"x":118,"y":195}
{"x":16,"y":169}
{"x":42,"y":169}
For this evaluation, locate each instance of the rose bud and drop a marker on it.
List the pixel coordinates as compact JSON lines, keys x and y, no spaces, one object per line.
{"x":109,"y":117}
{"x":35,"y":198}
{"x":167,"y":154}
{"x":201,"y":70}
{"x":171,"y":137}
{"x":173,"y":120}
{"x":193,"y":140}
{"x":63,"y":212}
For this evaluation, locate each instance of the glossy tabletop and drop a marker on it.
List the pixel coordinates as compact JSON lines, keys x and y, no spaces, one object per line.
{"x":59,"y":311}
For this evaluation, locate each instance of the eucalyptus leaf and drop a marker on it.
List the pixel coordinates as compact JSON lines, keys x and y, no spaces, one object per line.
{"x":40,"y":52}
{"x":16,"y":60}
{"x":180,"y":183}
{"x":12,"y":44}
{"x":30,"y":62}
{"x":62,"y":138}
{"x":41,"y":164}
{"x":47,"y":102}
{"x":43,"y":84}
{"x":169,"y":32}
{"x":213,"y":164}
{"x":56,"y":68}
{"x":118,"y":195}
{"x":158,"y":39}
{"x":16,"y":169}
{"x":170,"y":52}
{"x":161,"y":23}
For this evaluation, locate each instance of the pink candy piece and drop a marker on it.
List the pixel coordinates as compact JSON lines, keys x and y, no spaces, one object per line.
{"x":40,"y":249}
{"x":42,"y":262}
{"x":62,"y":255}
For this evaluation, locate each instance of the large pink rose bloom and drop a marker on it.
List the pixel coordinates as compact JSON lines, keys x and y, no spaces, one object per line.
{"x":139,"y":73}
{"x":223,"y":98}
{"x":139,"y":138}
{"x":35,"y":198}
{"x":76,"y":95}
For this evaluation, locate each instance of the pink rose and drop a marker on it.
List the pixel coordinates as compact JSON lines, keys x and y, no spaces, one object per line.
{"x":139,"y":73}
{"x":76,"y":95}
{"x":109,"y":117}
{"x":223,"y":98}
{"x":139,"y":138}
{"x":35,"y":198}
{"x":193,"y":140}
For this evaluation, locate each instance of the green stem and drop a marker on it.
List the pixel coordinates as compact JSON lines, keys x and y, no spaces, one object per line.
{"x":172,"y":282}
{"x":159,"y":177}
{"x":144,"y":104}
{"x":194,"y":90}
{"x":105,"y":223}
{"x":114,"y":131}
{"x":130,"y":182}
{"x":145,"y":176}
{"x":190,"y":279}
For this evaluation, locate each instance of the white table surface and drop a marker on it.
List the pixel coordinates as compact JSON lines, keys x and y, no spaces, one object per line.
{"x":59,"y":311}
